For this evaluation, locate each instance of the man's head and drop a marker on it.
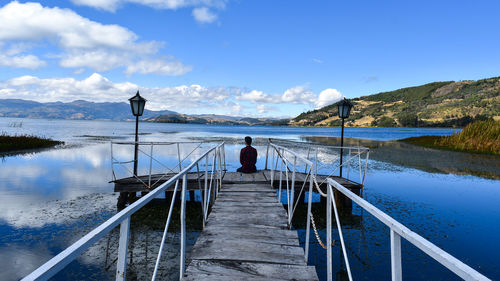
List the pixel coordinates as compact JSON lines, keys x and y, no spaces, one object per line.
{"x":248,"y":140}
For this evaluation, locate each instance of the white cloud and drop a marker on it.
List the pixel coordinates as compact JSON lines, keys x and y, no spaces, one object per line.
{"x":183,"y":98}
{"x":159,"y":66}
{"x":112,"y":5}
{"x":299,"y":94}
{"x":99,"y":60}
{"x":327,"y":97}
{"x":100,"y":89}
{"x":32,"y":21}
{"x":84,"y":43}
{"x":257,"y":97}
{"x":317,"y":60}
{"x":204,"y":15}
{"x":21,"y":61}
{"x":236,"y":108}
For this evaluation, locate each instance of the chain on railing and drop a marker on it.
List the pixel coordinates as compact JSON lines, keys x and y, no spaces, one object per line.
{"x":57,"y":263}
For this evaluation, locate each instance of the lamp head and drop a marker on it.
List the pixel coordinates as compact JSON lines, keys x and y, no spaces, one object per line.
{"x":137,"y":104}
{"x":344,"y":106}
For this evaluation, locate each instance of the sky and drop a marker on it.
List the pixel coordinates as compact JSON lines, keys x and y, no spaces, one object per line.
{"x":245,"y":58}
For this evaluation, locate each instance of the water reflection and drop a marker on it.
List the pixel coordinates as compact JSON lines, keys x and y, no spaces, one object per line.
{"x":426,"y":159}
{"x":52,"y":198}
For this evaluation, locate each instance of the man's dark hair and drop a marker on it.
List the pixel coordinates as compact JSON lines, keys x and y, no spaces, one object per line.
{"x":248,"y":140}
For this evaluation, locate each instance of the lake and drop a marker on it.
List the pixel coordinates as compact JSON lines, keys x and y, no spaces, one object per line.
{"x":51,"y":198}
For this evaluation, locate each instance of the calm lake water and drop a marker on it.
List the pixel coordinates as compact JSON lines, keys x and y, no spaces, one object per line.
{"x":51,"y":198}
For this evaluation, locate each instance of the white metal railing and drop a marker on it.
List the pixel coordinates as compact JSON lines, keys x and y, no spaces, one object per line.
{"x":212,"y":184}
{"x":166,"y":170}
{"x":398,"y":230}
{"x":356,"y":156}
{"x":285,"y":157}
{"x":288,"y":160}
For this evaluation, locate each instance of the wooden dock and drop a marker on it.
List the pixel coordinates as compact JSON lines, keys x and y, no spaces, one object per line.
{"x":247,"y":238}
{"x":131,"y":184}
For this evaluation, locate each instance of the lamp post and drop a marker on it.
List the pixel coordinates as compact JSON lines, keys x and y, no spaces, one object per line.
{"x":344,"y":106}
{"x":137,"y":104}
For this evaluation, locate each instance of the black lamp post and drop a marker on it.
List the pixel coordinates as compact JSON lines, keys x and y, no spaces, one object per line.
{"x":137,"y":104}
{"x":344,"y":107}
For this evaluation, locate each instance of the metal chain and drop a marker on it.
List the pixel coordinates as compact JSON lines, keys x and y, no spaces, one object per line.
{"x":317,"y":234}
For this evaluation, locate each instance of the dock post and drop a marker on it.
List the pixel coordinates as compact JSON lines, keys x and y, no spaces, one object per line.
{"x":182,"y":263}
{"x":121,"y":265}
{"x":396,"y":256}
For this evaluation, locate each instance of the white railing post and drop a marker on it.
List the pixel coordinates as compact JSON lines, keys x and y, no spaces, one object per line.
{"x":281,"y":177}
{"x":292,"y":193}
{"x":396,"y":269}
{"x":112,"y":165}
{"x":359,"y":163}
{"x":220,"y":168}
{"x":272,"y":168}
{"x":339,"y":228}
{"x":182,"y":263}
{"x":205,"y":195}
{"x":349,"y":163}
{"x":267,"y":155}
{"x":165,"y":231}
{"x":121,"y":264}
{"x":329,"y":272}
{"x":224,"y":153}
{"x":366,"y":168}
{"x":150,"y":165}
{"x":316,"y":162}
{"x":308,"y":221}
{"x":179,"y":157}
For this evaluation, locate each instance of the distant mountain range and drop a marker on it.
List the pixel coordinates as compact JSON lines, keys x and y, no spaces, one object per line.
{"x":211,"y":119}
{"x":76,"y":110}
{"x":118,"y":111}
{"x":438,"y":104}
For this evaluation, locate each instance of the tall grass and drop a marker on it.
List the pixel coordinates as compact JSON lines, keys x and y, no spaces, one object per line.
{"x":480,"y":136}
{"x":24,"y":142}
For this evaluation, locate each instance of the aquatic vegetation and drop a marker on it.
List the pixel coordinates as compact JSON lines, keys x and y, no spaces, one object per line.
{"x":478,"y":137}
{"x":25,"y":142}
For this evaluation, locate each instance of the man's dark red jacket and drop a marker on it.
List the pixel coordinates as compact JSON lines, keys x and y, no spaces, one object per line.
{"x":248,"y":158}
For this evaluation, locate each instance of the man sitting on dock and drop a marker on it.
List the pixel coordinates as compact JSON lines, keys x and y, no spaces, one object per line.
{"x":248,"y":157}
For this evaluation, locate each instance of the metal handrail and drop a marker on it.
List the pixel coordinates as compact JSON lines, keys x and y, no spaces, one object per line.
{"x":398,"y":230}
{"x":178,"y":166}
{"x":57,"y":263}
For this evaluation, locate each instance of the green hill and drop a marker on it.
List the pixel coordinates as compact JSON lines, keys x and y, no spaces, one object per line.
{"x":438,"y":104}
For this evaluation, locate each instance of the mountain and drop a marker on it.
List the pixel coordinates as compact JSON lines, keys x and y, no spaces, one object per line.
{"x":78,"y":110}
{"x":438,"y":104}
{"x":118,"y":111}
{"x":210,"y":119}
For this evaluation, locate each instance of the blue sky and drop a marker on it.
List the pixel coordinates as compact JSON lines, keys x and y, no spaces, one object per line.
{"x":249,"y":58}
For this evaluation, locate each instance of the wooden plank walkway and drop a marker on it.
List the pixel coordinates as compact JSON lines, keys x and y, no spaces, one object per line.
{"x":247,"y":238}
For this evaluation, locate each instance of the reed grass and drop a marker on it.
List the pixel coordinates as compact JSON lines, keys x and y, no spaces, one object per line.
{"x":477,"y":137}
{"x":480,"y":136}
{"x":24,"y":142}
